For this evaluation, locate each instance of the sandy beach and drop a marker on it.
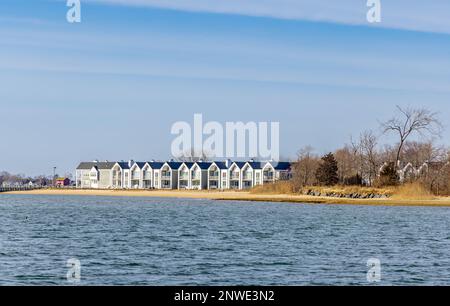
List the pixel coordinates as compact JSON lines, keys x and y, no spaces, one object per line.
{"x":237,"y":196}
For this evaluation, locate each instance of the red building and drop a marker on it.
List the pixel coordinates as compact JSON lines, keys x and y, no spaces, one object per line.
{"x":61,"y":182}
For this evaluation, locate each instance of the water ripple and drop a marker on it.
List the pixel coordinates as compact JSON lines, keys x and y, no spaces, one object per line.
{"x":151,"y":241}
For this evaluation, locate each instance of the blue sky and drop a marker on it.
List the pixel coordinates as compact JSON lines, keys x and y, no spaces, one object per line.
{"x":112,"y":86}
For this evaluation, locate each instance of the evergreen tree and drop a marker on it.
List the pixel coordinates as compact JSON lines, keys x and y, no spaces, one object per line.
{"x":327,"y":173}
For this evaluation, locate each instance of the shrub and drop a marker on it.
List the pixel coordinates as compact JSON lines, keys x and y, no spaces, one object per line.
{"x":388,"y":176}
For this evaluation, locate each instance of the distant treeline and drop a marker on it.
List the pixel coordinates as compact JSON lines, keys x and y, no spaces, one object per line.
{"x":21,"y":180}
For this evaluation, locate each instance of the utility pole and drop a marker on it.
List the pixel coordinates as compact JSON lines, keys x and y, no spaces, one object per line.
{"x":54,"y":176}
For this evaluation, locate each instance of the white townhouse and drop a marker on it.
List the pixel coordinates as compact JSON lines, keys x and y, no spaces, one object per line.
{"x":152,"y":171}
{"x":137,"y":175}
{"x":199,"y":175}
{"x":180,"y":175}
{"x":144,"y":175}
{"x":168,"y":175}
{"x":184,"y":175}
{"x":102,"y":175}
{"x":276,"y":171}
{"x":235,"y":175}
{"x":94,"y":174}
{"x":218,"y":175}
{"x":193,"y":175}
{"x":121,"y":176}
{"x":252,"y":174}
{"x":245,"y":175}
{"x":147,"y":176}
{"x":152,"y":174}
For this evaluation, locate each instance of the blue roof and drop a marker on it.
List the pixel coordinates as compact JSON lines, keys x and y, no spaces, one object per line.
{"x":240,"y":164}
{"x":204,"y":165}
{"x":221,"y":165}
{"x":281,"y":165}
{"x":140,"y":164}
{"x":256,"y":165}
{"x":156,"y":165}
{"x":189,"y":164}
{"x":174,"y":165}
{"x":124,"y":165}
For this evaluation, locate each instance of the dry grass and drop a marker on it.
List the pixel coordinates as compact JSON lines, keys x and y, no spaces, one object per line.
{"x":412,"y":191}
{"x":275,"y":188}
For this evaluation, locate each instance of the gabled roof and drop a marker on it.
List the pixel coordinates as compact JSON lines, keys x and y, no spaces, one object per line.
{"x":256,"y":165}
{"x":188,"y":164}
{"x":155,"y":165}
{"x":204,"y":165}
{"x":140,"y":164}
{"x":220,"y":165}
{"x":239,"y":164}
{"x":173,"y":165}
{"x":98,"y":165}
{"x":123,"y":165}
{"x":281,"y":165}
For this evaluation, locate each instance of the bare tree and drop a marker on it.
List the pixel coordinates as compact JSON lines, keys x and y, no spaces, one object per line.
{"x":418,"y":153}
{"x":305,"y":168}
{"x":368,"y":145}
{"x":193,"y":155}
{"x":437,"y":175}
{"x":348,"y":161}
{"x":412,"y":121}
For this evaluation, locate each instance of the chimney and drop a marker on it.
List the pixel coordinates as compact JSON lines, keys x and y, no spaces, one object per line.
{"x":228,"y":163}
{"x":130,"y":163}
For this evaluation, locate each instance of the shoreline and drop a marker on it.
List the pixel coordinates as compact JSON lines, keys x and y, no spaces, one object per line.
{"x":237,"y":196}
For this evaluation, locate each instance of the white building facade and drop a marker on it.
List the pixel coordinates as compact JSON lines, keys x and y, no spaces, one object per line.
{"x":217,"y":175}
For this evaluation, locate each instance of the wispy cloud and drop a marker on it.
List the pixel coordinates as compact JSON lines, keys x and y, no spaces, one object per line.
{"x":413,"y":15}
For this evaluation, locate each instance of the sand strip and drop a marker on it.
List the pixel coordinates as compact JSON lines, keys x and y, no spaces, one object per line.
{"x":235,"y":196}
